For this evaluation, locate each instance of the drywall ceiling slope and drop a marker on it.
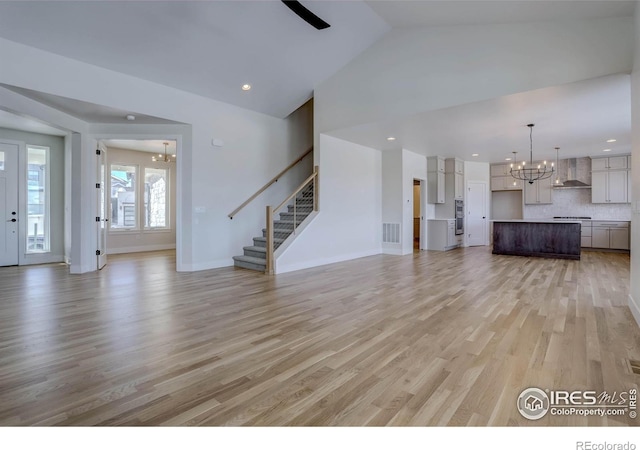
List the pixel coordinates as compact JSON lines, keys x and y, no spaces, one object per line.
{"x":89,"y":112}
{"x":206,"y":48}
{"x":415,"y":70}
{"x":16,"y":122}
{"x":577,"y":117}
{"x":401,"y":14}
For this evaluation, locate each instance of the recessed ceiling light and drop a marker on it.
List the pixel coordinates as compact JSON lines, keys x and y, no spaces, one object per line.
{"x":131,"y":117}
{"x":611,"y":140}
{"x":606,"y":150}
{"x":507,"y":159}
{"x":475,"y":154}
{"x":246,"y":87}
{"x":391,"y":138}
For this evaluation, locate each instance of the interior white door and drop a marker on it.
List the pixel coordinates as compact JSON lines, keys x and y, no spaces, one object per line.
{"x":9,"y":214}
{"x":476,"y":213}
{"x":101,"y":204}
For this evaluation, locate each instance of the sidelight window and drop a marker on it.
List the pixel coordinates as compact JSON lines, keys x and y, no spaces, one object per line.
{"x":38,"y":204}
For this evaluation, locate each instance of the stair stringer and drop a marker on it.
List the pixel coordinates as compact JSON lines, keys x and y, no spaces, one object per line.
{"x":292,"y":237}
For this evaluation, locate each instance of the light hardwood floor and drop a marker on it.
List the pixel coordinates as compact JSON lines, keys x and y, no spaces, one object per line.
{"x":430,"y":339}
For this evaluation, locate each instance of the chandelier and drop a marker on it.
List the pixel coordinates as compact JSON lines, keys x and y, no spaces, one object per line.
{"x":531,"y":173}
{"x":165,"y":157}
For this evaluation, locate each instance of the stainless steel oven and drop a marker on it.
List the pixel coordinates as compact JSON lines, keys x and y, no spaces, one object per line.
{"x":459,"y":217}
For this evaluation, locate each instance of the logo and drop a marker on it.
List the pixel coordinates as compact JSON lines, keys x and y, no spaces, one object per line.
{"x":533,"y":403}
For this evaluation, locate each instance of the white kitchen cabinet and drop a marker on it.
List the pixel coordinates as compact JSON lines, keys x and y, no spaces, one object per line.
{"x":500,"y":170}
{"x":507,"y":183}
{"x":610,"y":234}
{"x":613,"y":162}
{"x":609,"y":186}
{"x":585,"y":234}
{"x":539,"y":192}
{"x":454,"y":165}
{"x":441,"y":234}
{"x":454,"y":177}
{"x":619,"y":238}
{"x":435,"y":187}
{"x":435,"y":179}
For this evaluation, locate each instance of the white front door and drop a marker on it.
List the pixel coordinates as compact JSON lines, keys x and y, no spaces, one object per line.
{"x":9,"y":217}
{"x":102,"y":213}
{"x":476,"y":213}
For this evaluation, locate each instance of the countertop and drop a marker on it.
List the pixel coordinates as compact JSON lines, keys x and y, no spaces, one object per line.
{"x":537,"y":221}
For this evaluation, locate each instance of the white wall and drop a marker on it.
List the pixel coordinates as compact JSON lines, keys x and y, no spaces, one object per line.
{"x":127,"y":241}
{"x":392,"y":172}
{"x":57,"y":192}
{"x":216,"y":180}
{"x":634,"y":294}
{"x":348,"y":224}
{"x":414,"y":70}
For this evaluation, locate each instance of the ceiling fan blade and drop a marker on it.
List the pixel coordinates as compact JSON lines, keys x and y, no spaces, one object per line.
{"x":306,"y":15}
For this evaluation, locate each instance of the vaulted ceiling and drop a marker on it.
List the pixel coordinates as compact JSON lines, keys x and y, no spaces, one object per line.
{"x":211,"y":48}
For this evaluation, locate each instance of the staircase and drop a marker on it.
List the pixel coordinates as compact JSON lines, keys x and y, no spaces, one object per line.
{"x":298,"y":209}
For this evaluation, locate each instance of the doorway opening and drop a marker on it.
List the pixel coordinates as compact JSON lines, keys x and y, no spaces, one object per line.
{"x":137,"y":201}
{"x":418,"y":215}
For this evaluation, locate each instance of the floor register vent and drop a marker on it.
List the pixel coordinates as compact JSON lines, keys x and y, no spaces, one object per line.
{"x":390,"y":233}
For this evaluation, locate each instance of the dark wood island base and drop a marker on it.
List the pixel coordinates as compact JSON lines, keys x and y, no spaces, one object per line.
{"x":546,"y":239}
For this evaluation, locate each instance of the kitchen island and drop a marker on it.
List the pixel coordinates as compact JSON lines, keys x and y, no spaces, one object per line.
{"x":531,"y":237}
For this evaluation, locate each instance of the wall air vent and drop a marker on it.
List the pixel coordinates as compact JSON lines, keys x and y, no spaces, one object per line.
{"x":390,"y":233}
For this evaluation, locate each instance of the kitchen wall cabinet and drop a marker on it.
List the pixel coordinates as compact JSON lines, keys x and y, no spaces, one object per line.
{"x":539,"y":192}
{"x":610,"y":234}
{"x":500,"y":170}
{"x":441,"y":235}
{"x":506,"y":183}
{"x":454,"y":177}
{"x":609,"y":186}
{"x":611,"y":179}
{"x":613,"y":162}
{"x":435,"y":179}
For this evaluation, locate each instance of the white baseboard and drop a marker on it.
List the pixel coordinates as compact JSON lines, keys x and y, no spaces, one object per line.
{"x":140,"y":248}
{"x":207,"y":265}
{"x":635,"y":309}
{"x":324,"y":261}
{"x":392,"y":251}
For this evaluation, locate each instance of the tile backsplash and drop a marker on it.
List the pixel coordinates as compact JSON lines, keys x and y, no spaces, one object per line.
{"x":577,"y":202}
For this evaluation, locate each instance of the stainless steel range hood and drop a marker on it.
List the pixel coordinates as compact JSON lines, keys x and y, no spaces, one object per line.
{"x":572,"y":181}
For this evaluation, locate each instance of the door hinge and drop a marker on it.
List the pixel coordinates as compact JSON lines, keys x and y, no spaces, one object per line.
{"x":97,"y":219}
{"x":97,"y":185}
{"x":98,"y":152}
{"x":98,"y":253}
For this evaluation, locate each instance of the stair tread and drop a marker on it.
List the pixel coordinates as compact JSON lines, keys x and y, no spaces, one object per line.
{"x":255,"y":248}
{"x":250,"y":259}
{"x":262,"y":238}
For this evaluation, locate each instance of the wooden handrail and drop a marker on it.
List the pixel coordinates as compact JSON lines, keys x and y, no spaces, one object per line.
{"x":269,"y":183}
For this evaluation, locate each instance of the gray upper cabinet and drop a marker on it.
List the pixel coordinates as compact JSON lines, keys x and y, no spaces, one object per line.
{"x":610,"y":180}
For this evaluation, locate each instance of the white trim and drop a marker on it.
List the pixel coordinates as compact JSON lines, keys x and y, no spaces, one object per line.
{"x":41,"y":258}
{"x":180,"y":265}
{"x":392,"y":251}
{"x":141,"y":248}
{"x":24,"y":185}
{"x":208,"y":265}
{"x":635,"y":309}
{"x":325,"y":261}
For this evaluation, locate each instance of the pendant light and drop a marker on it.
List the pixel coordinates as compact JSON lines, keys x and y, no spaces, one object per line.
{"x":531,"y":173}
{"x":165,"y":157}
